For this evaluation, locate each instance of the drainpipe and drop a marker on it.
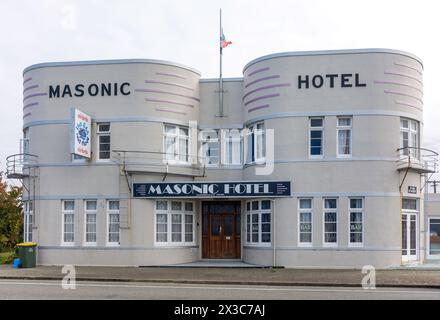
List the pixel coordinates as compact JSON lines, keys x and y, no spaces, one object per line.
{"x":274,"y":234}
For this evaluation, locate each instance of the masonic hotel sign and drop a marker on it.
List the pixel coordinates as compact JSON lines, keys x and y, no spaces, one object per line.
{"x":212,"y":189}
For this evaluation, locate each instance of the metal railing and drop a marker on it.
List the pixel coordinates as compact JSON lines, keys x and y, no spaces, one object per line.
{"x":19,"y":165}
{"x":421,"y":159}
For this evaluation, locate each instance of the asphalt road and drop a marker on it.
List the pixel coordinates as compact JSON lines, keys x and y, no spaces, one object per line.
{"x":28,"y":289}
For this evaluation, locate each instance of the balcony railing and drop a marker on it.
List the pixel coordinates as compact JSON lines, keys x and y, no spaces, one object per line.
{"x":20,"y":165}
{"x":159,"y":162}
{"x":417,"y":159}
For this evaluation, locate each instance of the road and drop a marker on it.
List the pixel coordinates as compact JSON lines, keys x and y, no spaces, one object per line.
{"x":35,"y":289}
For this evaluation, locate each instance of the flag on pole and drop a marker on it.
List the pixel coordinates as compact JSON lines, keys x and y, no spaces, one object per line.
{"x":223,"y":42}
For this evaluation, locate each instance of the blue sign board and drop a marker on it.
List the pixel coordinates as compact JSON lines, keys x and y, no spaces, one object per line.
{"x":242,"y":189}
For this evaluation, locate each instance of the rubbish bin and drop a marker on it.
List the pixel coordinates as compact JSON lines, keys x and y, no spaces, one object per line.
{"x":27,"y":253}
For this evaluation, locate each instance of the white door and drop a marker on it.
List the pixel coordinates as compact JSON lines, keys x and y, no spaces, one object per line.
{"x":409,"y":236}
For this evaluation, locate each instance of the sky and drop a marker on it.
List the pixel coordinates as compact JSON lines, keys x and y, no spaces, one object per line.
{"x":186,"y":32}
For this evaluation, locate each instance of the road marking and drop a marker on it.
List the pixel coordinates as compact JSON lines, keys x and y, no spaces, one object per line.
{"x":211,"y":287}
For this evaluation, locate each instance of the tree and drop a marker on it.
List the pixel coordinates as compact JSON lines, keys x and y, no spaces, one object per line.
{"x":11,"y":217}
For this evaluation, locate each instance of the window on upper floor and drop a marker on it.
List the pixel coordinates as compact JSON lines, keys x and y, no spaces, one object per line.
{"x":176,"y":143}
{"x":256,"y":143}
{"x":103,"y":135}
{"x":210,"y":144}
{"x":344,"y":129}
{"x":409,"y":137}
{"x":232,"y":147}
{"x":316,"y":136}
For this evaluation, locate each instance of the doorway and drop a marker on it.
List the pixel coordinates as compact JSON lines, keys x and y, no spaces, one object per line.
{"x":221,"y":230}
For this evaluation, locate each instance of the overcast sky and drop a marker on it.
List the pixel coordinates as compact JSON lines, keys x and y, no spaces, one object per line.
{"x":34,"y":31}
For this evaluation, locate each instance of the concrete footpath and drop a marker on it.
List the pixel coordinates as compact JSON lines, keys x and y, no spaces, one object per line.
{"x":232,"y":276}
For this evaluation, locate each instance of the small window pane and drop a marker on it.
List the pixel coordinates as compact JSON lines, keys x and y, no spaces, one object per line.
{"x":356,"y":203}
{"x":346,"y":122}
{"x":265,"y":204}
{"x":161,"y":205}
{"x":188,"y":206}
{"x":91,"y":205}
{"x":330,"y":203}
{"x":248,"y":206}
{"x":409,"y":204}
{"x":103,"y":127}
{"x":113,"y":205}
{"x":254,"y":205}
{"x":69,"y":205}
{"x":175,"y":205}
{"x":316,"y":122}
{"x":305,"y":203}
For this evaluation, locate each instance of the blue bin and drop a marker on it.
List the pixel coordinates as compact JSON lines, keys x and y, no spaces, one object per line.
{"x":16,"y":264}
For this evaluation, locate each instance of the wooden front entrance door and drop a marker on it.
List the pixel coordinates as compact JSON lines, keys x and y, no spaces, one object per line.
{"x":221,"y":232}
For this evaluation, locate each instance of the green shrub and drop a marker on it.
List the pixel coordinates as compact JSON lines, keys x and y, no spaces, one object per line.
{"x":7,"y":257}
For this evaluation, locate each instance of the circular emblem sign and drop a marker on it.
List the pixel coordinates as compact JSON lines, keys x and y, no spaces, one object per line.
{"x":82,"y":134}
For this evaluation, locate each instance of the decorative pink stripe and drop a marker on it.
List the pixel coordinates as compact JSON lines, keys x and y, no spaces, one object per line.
{"x":169,"y":84}
{"x":262,"y":98}
{"x":27,"y":80}
{"x":167,"y":92}
{"x":258,"y":71}
{"x":398,"y":83}
{"x":35,"y":95}
{"x":171,"y":102}
{"x":262,"y":79}
{"x":27,"y":115}
{"x":259,"y":107}
{"x":30,"y":105}
{"x":170,"y":111}
{"x":403,"y":94}
{"x":407,"y":66}
{"x":404,"y":75}
{"x":31,"y":87}
{"x":407,"y":104}
{"x":279,"y":85}
{"x":170,"y":75}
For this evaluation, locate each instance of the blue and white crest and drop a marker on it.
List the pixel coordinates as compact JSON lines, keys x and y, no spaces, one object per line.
{"x":82,"y":134}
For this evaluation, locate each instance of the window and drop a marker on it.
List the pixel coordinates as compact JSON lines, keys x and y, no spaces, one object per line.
{"x":113,"y":222}
{"x":90,"y":222}
{"x":356,"y":223}
{"x":103,"y":134}
{"x":68,"y":228}
{"x":409,"y":137}
{"x":210,"y":147}
{"x":305,"y":221}
{"x":330,"y":221}
{"x":434,"y":236}
{"x":258,"y":221}
{"x":343,"y":129}
{"x":256,"y":143}
{"x":409,"y":204}
{"x":174,"y":223}
{"x":176,"y":143}
{"x":316,"y":137}
{"x":232,"y":146}
{"x":28,"y":221}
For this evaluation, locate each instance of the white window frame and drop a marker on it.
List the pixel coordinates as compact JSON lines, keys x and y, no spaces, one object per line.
{"x":260,"y":213}
{"x":109,"y":212}
{"x":362,"y":212}
{"x":232,"y":137}
{"x":212,"y":140}
{"x":324,"y":211}
{"x":429,"y":255}
{"x":413,"y":152}
{"x":63,"y":214}
{"x":169,"y":212}
{"x":344,"y":128}
{"x":177,"y":137}
{"x":305,"y":210}
{"x":321,"y":128}
{"x":252,"y":136}
{"x":87,"y":212}
{"x":99,"y":134}
{"x":28,"y":221}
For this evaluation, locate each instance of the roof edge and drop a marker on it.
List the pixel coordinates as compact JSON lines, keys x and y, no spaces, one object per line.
{"x":331,"y":52}
{"x":110,"y":61}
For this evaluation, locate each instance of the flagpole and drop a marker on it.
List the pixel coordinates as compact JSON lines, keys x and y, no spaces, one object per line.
{"x":221,"y":75}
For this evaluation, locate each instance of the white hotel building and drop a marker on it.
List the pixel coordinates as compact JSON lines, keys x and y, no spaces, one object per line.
{"x":315,"y":159}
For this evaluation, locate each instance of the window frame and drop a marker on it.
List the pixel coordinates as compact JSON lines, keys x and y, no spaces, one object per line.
{"x":63,"y":214}
{"x":87,"y":212}
{"x":204,"y":140}
{"x":344,"y":128}
{"x":259,"y":212}
{"x":253,"y":133}
{"x":362,"y":212}
{"x":227,"y":138}
{"x":329,"y":210}
{"x":108,"y":213}
{"x":28,"y":221}
{"x":177,"y":139}
{"x":412,"y":149}
{"x":169,"y":212}
{"x":99,"y":134}
{"x":429,"y":255}
{"x":321,"y":128}
{"x":305,"y":210}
